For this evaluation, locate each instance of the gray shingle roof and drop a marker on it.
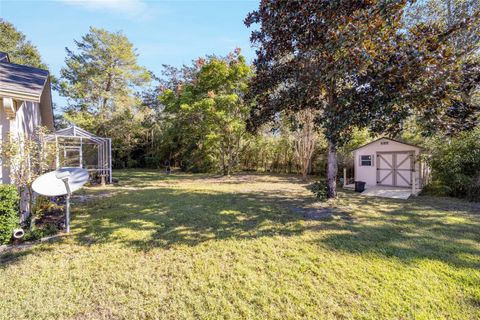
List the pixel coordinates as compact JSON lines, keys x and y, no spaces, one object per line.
{"x":4,"y":57}
{"x":22,"y":79}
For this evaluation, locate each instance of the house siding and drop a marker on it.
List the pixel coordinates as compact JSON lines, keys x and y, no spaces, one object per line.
{"x":4,"y":129}
{"x":27,"y":119}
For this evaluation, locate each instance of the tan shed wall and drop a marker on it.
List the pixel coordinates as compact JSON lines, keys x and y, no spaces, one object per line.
{"x":369,"y":174}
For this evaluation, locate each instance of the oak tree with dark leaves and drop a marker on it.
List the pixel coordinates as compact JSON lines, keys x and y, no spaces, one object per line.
{"x":353,"y":61}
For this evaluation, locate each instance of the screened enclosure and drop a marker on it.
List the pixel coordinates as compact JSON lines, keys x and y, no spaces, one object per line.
{"x":76,"y":147}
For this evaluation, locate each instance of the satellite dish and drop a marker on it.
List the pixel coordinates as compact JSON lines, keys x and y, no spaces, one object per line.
{"x":61,"y":182}
{"x":51,"y":184}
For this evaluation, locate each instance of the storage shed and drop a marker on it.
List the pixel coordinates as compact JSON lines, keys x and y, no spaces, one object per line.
{"x":390,"y":163}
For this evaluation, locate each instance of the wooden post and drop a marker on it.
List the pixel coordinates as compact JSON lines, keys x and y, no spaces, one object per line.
{"x":344,"y":177}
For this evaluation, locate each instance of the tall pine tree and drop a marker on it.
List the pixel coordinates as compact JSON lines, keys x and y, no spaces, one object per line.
{"x":101,"y":80}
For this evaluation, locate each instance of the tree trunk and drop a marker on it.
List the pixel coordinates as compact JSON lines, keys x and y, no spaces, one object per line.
{"x":224,"y":166}
{"x":332,"y":170}
{"x":229,"y":162}
{"x":222,"y":159}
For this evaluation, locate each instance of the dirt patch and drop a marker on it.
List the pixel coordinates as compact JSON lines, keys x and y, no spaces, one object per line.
{"x":88,"y":197}
{"x":311,"y":213}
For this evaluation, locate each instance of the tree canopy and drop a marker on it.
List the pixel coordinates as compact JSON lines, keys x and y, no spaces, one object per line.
{"x":356,"y":63}
{"x":19,"y":49}
{"x":101,"y":80}
{"x":207,"y":108}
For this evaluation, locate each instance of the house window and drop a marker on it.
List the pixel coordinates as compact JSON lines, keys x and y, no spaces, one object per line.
{"x":366,"y":161}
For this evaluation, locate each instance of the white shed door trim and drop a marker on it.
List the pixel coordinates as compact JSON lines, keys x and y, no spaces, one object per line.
{"x":395,"y":168}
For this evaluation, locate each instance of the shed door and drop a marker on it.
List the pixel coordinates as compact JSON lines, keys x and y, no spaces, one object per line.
{"x":395,"y":168}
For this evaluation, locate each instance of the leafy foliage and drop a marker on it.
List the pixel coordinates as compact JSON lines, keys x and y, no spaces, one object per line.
{"x":463,"y":111}
{"x":19,"y":49}
{"x":319,"y":189}
{"x":358,"y":139}
{"x":305,"y":138}
{"x":456,"y":165}
{"x":100,"y":82}
{"x":9,"y":200}
{"x":271,"y":151}
{"x":28,"y":157}
{"x":355,"y":63}
{"x":206,"y":113}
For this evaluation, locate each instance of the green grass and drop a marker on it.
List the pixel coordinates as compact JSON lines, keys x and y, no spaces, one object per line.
{"x":203,"y":247}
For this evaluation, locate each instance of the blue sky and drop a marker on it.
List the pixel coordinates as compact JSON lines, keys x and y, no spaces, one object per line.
{"x":164,"y":32}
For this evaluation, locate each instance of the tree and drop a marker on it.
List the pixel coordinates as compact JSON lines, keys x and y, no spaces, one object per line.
{"x":210,"y":107}
{"x":306,"y":136}
{"x":101,"y":81}
{"x":355,"y":63}
{"x":447,"y":13}
{"x":456,"y":165}
{"x":463,"y":113}
{"x":19,"y":49}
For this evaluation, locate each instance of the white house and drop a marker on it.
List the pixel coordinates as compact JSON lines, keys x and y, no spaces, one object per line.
{"x":387,"y":162}
{"x":25,"y":102}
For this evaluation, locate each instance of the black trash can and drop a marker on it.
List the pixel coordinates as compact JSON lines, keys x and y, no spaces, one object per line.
{"x":359,"y":186}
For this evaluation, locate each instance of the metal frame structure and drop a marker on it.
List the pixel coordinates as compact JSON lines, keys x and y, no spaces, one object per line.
{"x":76,"y":139}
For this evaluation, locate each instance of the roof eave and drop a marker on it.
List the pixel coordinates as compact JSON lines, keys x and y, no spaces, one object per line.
{"x":408,"y":144}
{"x":18,"y":95}
{"x":48,"y":118}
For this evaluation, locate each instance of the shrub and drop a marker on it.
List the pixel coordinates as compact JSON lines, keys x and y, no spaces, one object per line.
{"x":473,"y":192}
{"x":319,"y":189}
{"x":9,"y":201}
{"x":39,"y":233}
{"x":456,"y":165}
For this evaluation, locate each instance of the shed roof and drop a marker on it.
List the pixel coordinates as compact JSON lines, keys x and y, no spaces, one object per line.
{"x":22,"y":80}
{"x":408,"y":144}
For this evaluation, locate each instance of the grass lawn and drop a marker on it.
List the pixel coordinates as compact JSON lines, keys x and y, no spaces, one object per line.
{"x":198,"y":246}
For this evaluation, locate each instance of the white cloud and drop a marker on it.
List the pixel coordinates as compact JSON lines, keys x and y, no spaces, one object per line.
{"x":129,"y":8}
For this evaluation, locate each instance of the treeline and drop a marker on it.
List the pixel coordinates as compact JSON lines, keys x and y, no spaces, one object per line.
{"x":202,"y":117}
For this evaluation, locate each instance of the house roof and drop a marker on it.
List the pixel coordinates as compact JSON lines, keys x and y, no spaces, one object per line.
{"x":4,"y":57}
{"x":22,"y":81}
{"x":408,"y":144}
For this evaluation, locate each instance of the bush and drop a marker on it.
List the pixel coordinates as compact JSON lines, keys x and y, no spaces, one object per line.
{"x":319,"y":189}
{"x":473,"y":192}
{"x":456,"y":165}
{"x":9,"y":201}
{"x":39,"y":233}
{"x":49,"y":217}
{"x":435,"y":189}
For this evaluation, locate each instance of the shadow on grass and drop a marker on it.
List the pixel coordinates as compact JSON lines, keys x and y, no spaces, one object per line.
{"x":174,"y":217}
{"x":136,"y":178}
{"x":408,"y":230}
{"x":144,"y":216}
{"x":12,"y":256}
{"x":438,"y":229}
